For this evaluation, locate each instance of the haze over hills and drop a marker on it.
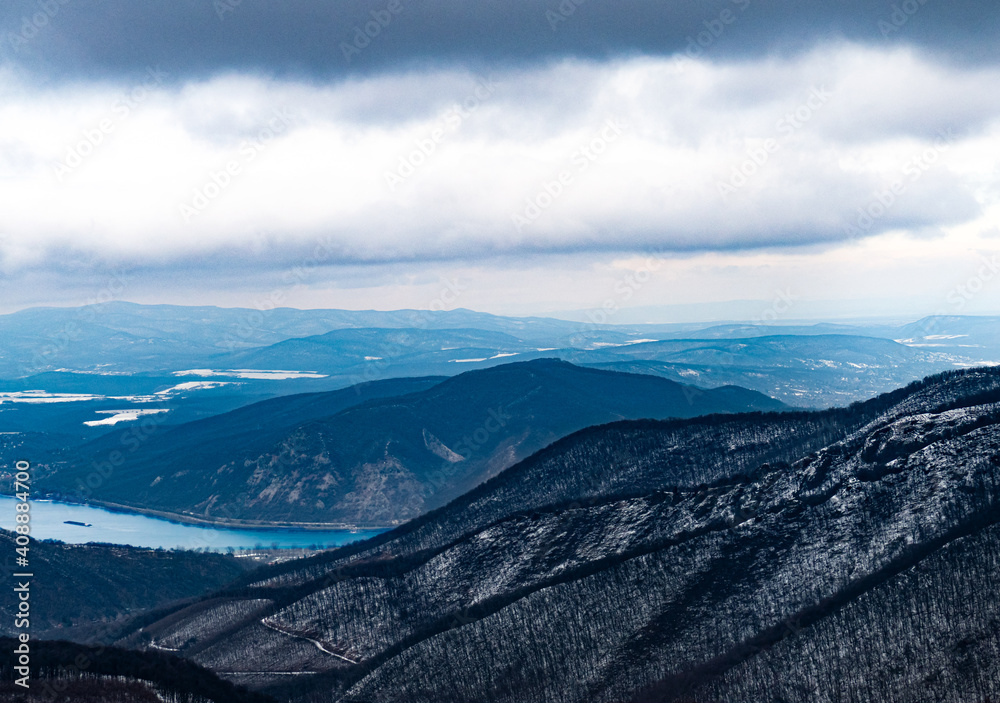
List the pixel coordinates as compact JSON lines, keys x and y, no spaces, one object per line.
{"x":122,"y":349}
{"x":749,"y":557}
{"x":127,"y":337}
{"x":354,"y":457}
{"x":807,"y":371}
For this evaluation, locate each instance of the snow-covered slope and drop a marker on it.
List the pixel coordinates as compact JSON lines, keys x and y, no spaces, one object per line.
{"x":844,"y":555}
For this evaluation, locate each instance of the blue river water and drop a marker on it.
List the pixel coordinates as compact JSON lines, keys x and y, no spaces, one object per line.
{"x":48,"y":521}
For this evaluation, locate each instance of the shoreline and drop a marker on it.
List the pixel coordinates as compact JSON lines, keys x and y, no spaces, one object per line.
{"x":219,"y":523}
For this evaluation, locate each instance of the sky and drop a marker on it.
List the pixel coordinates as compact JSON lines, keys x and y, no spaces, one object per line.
{"x":655,"y":160}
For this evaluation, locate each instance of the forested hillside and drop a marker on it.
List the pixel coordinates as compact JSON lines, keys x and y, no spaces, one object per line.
{"x":844,"y":555}
{"x":75,"y":673}
{"x":84,"y":588}
{"x":378,"y":459}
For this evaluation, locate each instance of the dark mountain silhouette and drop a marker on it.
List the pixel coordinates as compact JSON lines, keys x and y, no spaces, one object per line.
{"x":90,"y":587}
{"x":67,"y":671}
{"x":808,"y":370}
{"x":847,"y":554}
{"x":381,"y":461}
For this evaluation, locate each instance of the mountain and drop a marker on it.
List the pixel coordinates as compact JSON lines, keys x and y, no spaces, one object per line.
{"x":749,"y":330}
{"x":379,"y":462}
{"x":66,"y":671}
{"x":811,"y":370}
{"x":848,"y":554}
{"x":49,"y":433}
{"x":108,"y":348}
{"x":356,"y":353}
{"x":89,"y":587}
{"x":126,"y":337}
{"x":963,"y":337}
{"x":120,"y":337}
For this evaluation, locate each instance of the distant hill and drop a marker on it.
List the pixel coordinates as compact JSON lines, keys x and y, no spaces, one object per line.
{"x":810,"y":368}
{"x":397,"y":352}
{"x":972,"y":337}
{"x":848,"y":554}
{"x":52,"y":434}
{"x":384,"y":460}
{"x":750,"y":330}
{"x":122,"y":348}
{"x":130,"y":338}
{"x":814,"y":370}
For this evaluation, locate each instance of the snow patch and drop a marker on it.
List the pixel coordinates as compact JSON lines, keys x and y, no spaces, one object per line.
{"x":45,"y":397}
{"x":253,"y":374}
{"x":122,"y":416}
{"x":622,"y":344}
{"x":193,"y":386}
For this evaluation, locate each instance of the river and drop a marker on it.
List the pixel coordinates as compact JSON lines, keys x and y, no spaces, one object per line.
{"x":48,"y":521}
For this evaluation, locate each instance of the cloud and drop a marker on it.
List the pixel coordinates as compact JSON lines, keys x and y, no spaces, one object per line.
{"x":633,"y":154}
{"x":61,"y":40}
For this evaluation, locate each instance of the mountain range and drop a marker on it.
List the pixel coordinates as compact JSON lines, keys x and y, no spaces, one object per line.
{"x":108,"y":348}
{"x":847,"y":554}
{"x":88,"y":588}
{"x":374,"y":455}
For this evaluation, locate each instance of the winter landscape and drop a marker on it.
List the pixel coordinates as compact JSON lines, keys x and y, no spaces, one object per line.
{"x":385,"y":351}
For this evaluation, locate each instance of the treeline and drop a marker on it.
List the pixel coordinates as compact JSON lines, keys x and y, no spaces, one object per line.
{"x":633,"y":457}
{"x":643,"y":552}
{"x":93,"y":689}
{"x":93,"y":585}
{"x":58,"y":665}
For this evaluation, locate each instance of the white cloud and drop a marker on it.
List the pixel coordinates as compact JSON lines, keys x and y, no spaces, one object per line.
{"x":310,"y":161}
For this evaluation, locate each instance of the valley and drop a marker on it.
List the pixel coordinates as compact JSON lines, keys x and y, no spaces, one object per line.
{"x":763,"y":542}
{"x":377,"y":351}
{"x":592,"y":523}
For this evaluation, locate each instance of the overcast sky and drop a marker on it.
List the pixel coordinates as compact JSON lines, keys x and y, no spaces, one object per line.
{"x":514,"y":157}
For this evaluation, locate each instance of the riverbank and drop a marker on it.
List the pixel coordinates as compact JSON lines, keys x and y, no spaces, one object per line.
{"x":216,"y":523}
{"x":81,"y":523}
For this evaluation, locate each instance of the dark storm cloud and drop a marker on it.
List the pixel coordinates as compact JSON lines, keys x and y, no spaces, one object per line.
{"x":89,"y":38}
